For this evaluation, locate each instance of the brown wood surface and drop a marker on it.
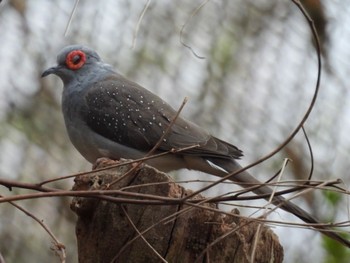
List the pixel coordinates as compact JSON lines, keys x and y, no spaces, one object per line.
{"x":104,"y":230}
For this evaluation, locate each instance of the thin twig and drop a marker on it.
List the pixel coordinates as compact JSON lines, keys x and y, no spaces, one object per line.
{"x":144,"y":198}
{"x":139,"y":23}
{"x":58,"y":246}
{"x":272,"y":195}
{"x":71,"y":17}
{"x":311,"y":155}
{"x":184,"y":25}
{"x":141,"y":235}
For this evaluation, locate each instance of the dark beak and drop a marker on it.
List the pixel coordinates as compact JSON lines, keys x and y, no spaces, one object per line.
{"x":49,"y":71}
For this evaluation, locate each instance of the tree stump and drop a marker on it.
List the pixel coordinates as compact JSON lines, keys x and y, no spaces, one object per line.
{"x":106,"y":232}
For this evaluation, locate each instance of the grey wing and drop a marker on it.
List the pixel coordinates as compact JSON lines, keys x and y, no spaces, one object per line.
{"x":125,"y":112}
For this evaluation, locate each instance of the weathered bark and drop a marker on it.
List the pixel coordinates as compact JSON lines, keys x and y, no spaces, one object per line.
{"x":103,"y":229}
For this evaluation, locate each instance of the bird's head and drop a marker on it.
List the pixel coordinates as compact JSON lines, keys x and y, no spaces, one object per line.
{"x":73,"y":61}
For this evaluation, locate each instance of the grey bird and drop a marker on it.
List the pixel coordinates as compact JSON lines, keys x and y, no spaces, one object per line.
{"x":107,"y":115}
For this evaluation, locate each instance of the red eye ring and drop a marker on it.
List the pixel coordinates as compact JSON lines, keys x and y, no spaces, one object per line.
{"x":75,"y":59}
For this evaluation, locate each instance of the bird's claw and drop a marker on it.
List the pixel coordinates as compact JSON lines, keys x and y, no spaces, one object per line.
{"x":102,"y":162}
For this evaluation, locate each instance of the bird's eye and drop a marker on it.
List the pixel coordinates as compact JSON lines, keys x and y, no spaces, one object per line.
{"x":75,"y":59}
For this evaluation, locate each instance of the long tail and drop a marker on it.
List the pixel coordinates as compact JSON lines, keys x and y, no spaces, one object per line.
{"x":247,"y":180}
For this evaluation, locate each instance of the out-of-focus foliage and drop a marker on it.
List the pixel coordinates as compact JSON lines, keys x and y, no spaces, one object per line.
{"x":334,"y":252}
{"x":251,"y":88}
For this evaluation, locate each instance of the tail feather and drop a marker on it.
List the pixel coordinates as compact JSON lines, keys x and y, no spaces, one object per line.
{"x":245,"y":179}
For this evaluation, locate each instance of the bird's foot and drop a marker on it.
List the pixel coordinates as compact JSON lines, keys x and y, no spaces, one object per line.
{"x":103,"y":162}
